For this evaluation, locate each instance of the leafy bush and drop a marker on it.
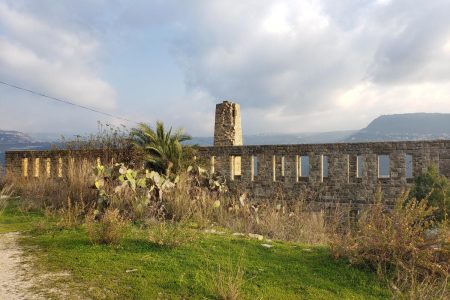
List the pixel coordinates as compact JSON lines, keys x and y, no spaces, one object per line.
{"x":113,"y":141}
{"x":109,"y":229}
{"x":436,"y":189}
{"x":403,"y":244}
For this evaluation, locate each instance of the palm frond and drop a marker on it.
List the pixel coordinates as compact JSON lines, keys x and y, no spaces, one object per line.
{"x":163,"y":149}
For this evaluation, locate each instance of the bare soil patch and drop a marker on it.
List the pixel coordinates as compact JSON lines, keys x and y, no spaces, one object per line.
{"x":19,"y":280}
{"x":14,"y":283}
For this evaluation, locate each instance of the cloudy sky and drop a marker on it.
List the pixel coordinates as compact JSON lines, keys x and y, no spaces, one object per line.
{"x":294,"y":66}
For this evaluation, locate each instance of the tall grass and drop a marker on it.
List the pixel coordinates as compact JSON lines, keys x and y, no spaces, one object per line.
{"x":228,"y":282}
{"x":170,"y":235}
{"x":285,"y":220}
{"x":5,"y":194}
{"x":53,"y":193}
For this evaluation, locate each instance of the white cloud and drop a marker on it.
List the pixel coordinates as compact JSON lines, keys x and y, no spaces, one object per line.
{"x":293,"y":65}
{"x":276,"y":21}
{"x":319,"y":65}
{"x":51,"y":59}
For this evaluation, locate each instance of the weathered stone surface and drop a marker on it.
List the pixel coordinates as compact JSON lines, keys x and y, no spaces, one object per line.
{"x":276,"y":173}
{"x":228,"y":130}
{"x":342,"y":184}
{"x":58,"y":163}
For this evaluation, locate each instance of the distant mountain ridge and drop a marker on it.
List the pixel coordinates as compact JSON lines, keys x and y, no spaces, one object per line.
{"x":14,"y":137}
{"x":404,"y":127}
{"x":14,"y":140}
{"x":400,"y":127}
{"x":284,"y":139}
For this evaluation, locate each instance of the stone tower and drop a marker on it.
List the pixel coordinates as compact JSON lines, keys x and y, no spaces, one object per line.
{"x":228,"y":130}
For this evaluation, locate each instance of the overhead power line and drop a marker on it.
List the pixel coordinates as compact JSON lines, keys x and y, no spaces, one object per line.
{"x":65,"y":101}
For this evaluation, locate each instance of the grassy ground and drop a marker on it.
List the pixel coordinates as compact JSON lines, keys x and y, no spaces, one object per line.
{"x":138,"y":269}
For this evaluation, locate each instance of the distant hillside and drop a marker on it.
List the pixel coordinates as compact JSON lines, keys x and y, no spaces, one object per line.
{"x":14,"y":137}
{"x":15,"y":140}
{"x":401,"y":127}
{"x":21,"y":146}
{"x":283,"y":139}
{"x":404,"y":127}
{"x":298,"y":138}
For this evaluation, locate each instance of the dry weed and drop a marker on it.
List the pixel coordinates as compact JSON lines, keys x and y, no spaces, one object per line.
{"x":291,"y":220}
{"x":71,"y":215}
{"x":229,"y":282}
{"x":403,"y":245}
{"x":5,"y":194}
{"x":43,"y":192}
{"x":109,"y":229}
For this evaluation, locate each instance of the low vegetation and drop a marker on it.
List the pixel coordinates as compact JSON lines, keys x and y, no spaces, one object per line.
{"x":228,"y":283}
{"x":214,"y":265}
{"x":170,"y":235}
{"x":436,"y":189}
{"x":173,"y":230}
{"x":403,"y":245}
{"x":5,"y":195}
{"x":109,"y":229}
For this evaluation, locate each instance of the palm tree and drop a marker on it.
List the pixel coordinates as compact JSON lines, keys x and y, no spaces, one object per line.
{"x":163,"y":150}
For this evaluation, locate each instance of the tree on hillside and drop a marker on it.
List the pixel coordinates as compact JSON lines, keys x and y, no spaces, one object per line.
{"x":162,"y":149}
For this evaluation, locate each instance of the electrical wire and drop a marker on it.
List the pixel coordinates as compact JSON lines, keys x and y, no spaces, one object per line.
{"x":66,"y":102}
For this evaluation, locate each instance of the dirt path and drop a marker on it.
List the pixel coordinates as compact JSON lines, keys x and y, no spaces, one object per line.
{"x":13,"y":284}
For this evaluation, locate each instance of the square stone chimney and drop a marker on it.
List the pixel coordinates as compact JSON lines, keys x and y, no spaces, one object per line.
{"x":227,"y":129}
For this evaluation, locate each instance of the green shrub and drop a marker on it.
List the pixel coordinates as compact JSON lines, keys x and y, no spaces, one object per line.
{"x":436,"y":189}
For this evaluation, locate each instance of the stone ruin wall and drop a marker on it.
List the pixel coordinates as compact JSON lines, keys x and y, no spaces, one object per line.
{"x":227,"y":129}
{"x":58,"y":163}
{"x":270,"y":172}
{"x":273,"y":171}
